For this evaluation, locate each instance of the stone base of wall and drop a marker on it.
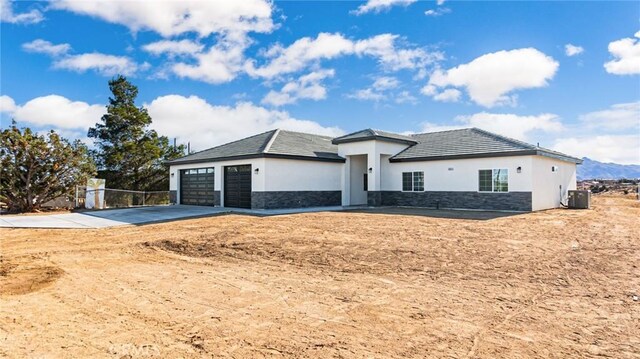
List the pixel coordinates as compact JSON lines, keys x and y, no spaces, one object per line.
{"x":216,"y":198}
{"x":510,"y":201}
{"x":295,"y":199}
{"x":374,"y":198}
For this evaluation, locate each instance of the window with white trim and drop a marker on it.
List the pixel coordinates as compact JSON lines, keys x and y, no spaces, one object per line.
{"x":494,"y":180}
{"x":413,"y":181}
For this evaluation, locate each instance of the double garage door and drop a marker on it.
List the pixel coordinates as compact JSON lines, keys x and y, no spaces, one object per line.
{"x":197,"y":186}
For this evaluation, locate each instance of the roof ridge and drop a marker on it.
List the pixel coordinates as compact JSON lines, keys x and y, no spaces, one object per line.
{"x":441,"y":131}
{"x":505,"y":138}
{"x":305,"y":133}
{"x":272,"y":139}
{"x":227,"y":143}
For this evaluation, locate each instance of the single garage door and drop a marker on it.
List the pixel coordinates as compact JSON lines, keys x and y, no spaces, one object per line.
{"x":196,"y":187}
{"x":237,"y":186}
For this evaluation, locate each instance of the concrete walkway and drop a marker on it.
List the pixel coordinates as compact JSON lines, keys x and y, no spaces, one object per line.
{"x":139,"y":215}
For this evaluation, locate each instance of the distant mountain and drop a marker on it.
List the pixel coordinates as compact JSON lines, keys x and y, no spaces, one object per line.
{"x":590,"y":169}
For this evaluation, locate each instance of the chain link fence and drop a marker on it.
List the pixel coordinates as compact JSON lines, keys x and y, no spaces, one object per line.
{"x":119,"y":198}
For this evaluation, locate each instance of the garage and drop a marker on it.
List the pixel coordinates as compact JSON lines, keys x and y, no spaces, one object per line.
{"x":237,"y":186}
{"x":196,"y":187}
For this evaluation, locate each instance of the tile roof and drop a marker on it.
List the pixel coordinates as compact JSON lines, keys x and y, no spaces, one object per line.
{"x":469,"y":143}
{"x":463,"y":143}
{"x":371,"y":134}
{"x":274,"y":143}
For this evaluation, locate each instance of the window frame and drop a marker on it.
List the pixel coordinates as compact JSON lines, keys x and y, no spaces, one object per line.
{"x":413,"y":181}
{"x":496,"y":183}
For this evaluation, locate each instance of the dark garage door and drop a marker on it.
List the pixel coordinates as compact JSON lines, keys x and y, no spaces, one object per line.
{"x":196,"y":187}
{"x":237,"y":186}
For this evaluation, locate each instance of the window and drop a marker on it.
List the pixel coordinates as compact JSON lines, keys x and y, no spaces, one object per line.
{"x":418,"y":181}
{"x":496,"y":180}
{"x":412,"y":181}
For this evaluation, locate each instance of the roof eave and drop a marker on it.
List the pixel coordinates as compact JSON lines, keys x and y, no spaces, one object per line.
{"x":257,"y":155}
{"x":490,"y":154}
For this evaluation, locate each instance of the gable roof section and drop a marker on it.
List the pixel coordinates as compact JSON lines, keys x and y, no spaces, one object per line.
{"x":370,"y":134}
{"x":274,"y":144}
{"x":471,"y":143}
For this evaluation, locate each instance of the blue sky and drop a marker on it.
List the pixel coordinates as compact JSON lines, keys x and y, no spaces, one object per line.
{"x":563,"y":74}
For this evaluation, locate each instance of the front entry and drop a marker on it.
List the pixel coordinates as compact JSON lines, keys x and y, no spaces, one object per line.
{"x":237,"y":186}
{"x":359,"y":180}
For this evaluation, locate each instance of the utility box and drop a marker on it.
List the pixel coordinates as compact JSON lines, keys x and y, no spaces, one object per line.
{"x":579,"y":199}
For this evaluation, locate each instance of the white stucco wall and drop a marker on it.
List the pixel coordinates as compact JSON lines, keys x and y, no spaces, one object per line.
{"x":297,"y":175}
{"x":550,"y":187}
{"x":463,"y":177}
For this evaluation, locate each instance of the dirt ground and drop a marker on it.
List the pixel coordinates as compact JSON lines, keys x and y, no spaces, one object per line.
{"x":556,"y":283}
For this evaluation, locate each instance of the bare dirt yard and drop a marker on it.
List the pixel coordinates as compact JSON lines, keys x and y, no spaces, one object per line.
{"x":557,"y":283}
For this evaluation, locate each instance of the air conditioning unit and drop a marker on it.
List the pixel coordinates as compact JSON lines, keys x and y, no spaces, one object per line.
{"x":579,"y":199}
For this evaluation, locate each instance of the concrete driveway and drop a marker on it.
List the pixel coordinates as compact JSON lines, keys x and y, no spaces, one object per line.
{"x":109,"y":217}
{"x":139,"y":215}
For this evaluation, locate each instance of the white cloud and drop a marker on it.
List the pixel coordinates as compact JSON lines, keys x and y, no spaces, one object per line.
{"x":382,"y":89}
{"x":45,"y":47}
{"x":448,"y":95}
{"x":379,"y":5}
{"x":107,"y":65}
{"x":390,"y":57}
{"x":440,"y":2}
{"x":573,"y":50}
{"x":173,"y":48}
{"x":206,"y":125}
{"x":174,"y":17}
{"x":437,"y":12}
{"x":7,"y":105}
{"x":385,"y":83}
{"x":489,"y":78}
{"x":307,"y":51}
{"x":300,"y":54}
{"x":510,"y":125}
{"x":221,"y":63}
{"x":626,"y":53}
{"x":405,"y":97}
{"x":619,"y":117}
{"x":306,"y":87}
{"x":7,"y":15}
{"x":621,"y":149}
{"x":367,"y":94}
{"x":54,"y":112}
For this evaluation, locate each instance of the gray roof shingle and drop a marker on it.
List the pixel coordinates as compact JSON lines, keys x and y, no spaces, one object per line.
{"x":469,"y":143}
{"x":463,"y":143}
{"x":371,"y":134}
{"x":274,"y":143}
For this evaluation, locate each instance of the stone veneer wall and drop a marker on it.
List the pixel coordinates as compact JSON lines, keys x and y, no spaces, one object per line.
{"x":295,"y":199}
{"x":509,"y":201}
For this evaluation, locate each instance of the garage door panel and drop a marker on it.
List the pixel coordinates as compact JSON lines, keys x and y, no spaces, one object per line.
{"x":237,"y":186}
{"x":197,"y":187}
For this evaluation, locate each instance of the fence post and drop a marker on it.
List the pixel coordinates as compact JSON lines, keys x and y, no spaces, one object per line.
{"x":76,"y":199}
{"x":143,"y":195}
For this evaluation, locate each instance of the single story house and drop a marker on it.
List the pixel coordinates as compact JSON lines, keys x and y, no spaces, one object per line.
{"x":462,"y":169}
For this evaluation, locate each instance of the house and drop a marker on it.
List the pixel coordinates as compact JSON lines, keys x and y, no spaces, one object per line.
{"x":463,"y":169}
